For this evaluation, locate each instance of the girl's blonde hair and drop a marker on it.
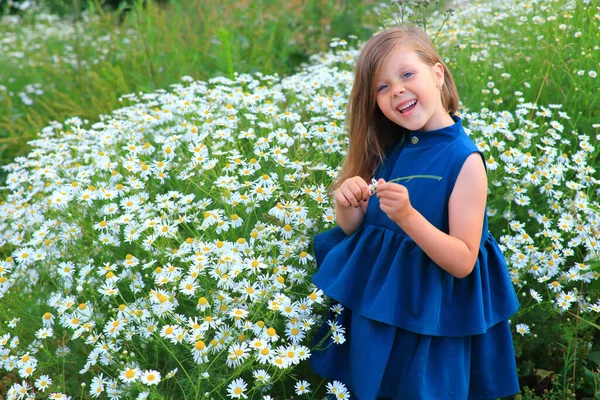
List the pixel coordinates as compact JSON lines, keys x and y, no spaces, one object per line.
{"x":371,"y":134}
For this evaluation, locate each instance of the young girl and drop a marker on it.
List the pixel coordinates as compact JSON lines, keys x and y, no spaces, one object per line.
{"x":424,"y":287}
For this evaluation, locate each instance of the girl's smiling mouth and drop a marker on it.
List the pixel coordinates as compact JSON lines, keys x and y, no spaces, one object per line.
{"x":407,"y":110}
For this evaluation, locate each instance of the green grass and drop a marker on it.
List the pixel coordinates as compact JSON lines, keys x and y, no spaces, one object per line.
{"x":540,"y":54}
{"x":154,"y":46}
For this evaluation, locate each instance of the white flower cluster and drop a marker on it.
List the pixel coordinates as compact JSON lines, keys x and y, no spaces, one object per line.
{"x":24,"y":46}
{"x":542,"y":185}
{"x":183,"y":219}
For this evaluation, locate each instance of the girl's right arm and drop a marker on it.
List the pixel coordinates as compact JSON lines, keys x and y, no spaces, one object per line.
{"x":351,"y":201}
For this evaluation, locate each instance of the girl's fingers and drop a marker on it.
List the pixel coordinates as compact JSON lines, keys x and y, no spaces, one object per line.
{"x":392,"y":198}
{"x":350,"y":196}
{"x":342,"y":199}
{"x":357,"y":191}
{"x":365,"y":192}
{"x":391,"y":187}
{"x":353,"y":192}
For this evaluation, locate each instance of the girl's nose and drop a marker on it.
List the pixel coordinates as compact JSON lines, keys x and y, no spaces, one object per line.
{"x":398,"y":90}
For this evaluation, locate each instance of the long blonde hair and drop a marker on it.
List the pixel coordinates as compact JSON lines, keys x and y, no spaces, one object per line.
{"x":370,"y":133}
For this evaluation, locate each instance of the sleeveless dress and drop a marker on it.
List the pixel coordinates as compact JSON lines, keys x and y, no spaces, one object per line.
{"x":414,"y":331}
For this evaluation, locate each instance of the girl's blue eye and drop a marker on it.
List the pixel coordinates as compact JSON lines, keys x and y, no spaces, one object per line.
{"x":403,"y":76}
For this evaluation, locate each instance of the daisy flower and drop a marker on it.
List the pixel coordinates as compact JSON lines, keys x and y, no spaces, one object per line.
{"x":302,"y":387}
{"x":97,"y":386}
{"x":304,"y":257}
{"x":238,"y":313}
{"x":535,"y":295}
{"x":143,"y":395}
{"x":44,"y":333}
{"x":237,"y":354}
{"x":199,"y":352}
{"x":338,"y":389}
{"x":281,"y":361}
{"x":555,"y":286}
{"x":171,"y":373}
{"x":261,"y":376}
{"x":62,"y":351}
{"x":236,"y":389}
{"x":48,"y":319}
{"x":337,"y":308}
{"x":271,"y":335}
{"x":294,"y":333}
{"x":257,"y":344}
{"x":58,"y":396}
{"x":130,"y":375}
{"x":150,"y":377}
{"x":43,"y":383}
{"x":265,"y":355}
{"x":523,"y":329}
{"x":27,"y":369}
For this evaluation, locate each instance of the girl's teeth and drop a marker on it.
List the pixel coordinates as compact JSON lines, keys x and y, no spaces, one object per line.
{"x":406,"y":108}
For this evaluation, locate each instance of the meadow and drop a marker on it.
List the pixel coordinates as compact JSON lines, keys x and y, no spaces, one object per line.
{"x":79,"y":64}
{"x":156,"y":229}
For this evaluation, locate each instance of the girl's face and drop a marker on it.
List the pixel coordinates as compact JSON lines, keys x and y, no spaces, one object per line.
{"x":404,"y":79}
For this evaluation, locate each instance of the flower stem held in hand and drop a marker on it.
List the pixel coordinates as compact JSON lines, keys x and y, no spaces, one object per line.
{"x":373,"y":185}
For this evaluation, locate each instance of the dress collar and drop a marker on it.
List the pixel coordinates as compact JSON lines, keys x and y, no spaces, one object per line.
{"x":428,"y":138}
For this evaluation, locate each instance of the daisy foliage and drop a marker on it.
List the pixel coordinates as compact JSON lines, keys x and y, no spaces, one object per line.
{"x":180,"y":224}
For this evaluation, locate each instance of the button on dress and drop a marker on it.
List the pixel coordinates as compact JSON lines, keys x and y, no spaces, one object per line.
{"x":414,"y":331}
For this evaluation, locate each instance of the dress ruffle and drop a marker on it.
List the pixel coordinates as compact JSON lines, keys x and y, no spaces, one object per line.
{"x":384,"y":275}
{"x":379,"y":360}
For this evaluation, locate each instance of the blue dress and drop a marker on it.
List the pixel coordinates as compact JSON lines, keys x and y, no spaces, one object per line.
{"x":414,"y":331}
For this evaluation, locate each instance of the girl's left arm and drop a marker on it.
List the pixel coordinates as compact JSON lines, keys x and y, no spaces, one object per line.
{"x":457,"y":251}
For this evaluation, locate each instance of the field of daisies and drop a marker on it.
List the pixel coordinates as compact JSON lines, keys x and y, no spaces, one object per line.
{"x":164,"y":249}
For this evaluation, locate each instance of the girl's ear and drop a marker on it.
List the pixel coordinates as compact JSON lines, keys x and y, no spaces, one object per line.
{"x":438,"y":70}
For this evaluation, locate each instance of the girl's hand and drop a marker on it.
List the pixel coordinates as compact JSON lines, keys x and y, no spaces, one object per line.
{"x":352,"y":192}
{"x":393,"y":200}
